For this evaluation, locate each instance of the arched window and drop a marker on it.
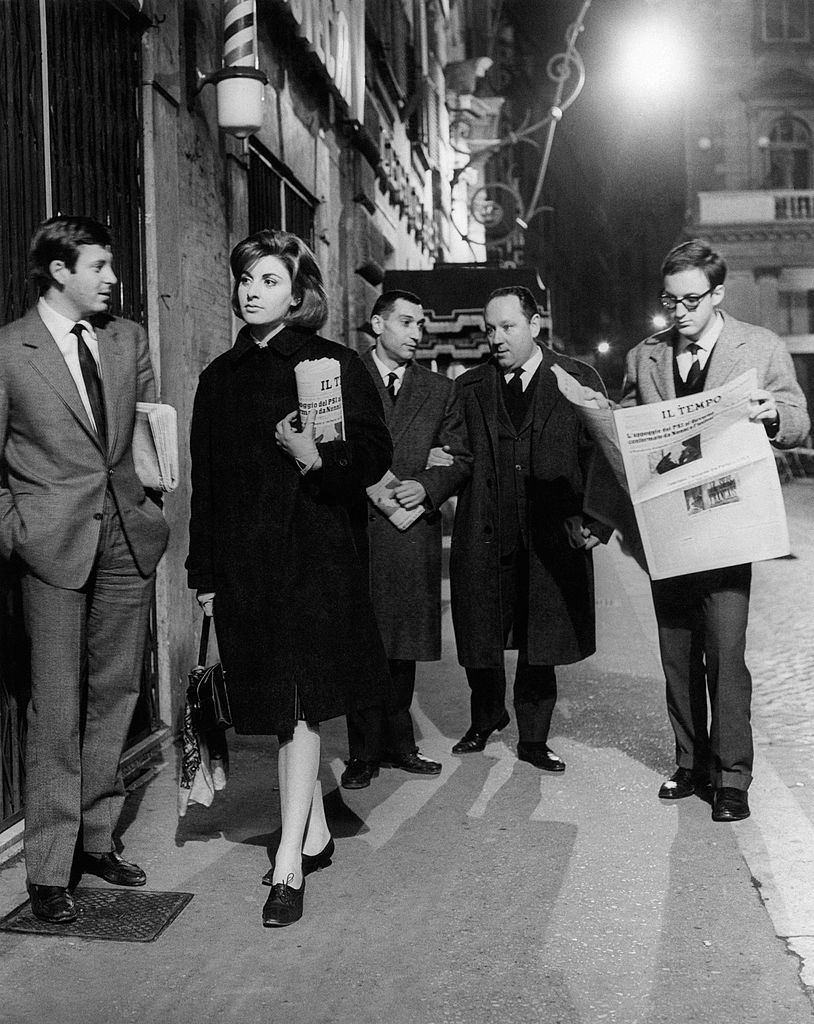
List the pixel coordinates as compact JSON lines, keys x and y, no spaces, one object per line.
{"x":789,"y":154}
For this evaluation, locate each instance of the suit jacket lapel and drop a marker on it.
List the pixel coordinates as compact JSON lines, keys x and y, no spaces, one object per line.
{"x":725,"y":362}
{"x":411,"y":396}
{"x":47,"y":360}
{"x":546,"y":395}
{"x":660,"y":367}
{"x":373,"y":370}
{"x":111,"y":373}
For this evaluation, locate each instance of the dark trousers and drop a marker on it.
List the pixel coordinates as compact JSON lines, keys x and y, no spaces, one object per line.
{"x":376,"y":732}
{"x":702,"y":621}
{"x":87,"y":648}
{"x":535,"y":686}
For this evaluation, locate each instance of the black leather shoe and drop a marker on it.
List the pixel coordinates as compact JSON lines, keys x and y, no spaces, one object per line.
{"x":413,"y":762}
{"x":310,"y":862}
{"x":474,"y":740}
{"x":113,"y":869}
{"x":540,"y":757}
{"x":358,"y":774}
{"x":284,"y":905}
{"x":682,"y":783}
{"x":52,"y":903}
{"x":730,"y":804}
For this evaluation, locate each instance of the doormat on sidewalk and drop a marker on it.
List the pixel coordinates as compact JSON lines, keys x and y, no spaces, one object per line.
{"x":120,"y":915}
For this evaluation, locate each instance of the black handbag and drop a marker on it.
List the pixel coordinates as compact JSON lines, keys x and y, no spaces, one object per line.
{"x":206,"y":694}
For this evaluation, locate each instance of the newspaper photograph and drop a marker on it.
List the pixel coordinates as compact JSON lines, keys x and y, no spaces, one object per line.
{"x":319,"y":387}
{"x":701,"y":477}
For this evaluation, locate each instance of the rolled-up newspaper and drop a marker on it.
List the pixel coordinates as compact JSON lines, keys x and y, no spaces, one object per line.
{"x":381,"y":495}
{"x":319,"y":387}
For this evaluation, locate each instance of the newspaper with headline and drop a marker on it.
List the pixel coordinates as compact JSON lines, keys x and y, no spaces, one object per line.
{"x":701,"y":477}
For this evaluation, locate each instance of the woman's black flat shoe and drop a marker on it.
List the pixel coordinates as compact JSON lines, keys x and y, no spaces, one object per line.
{"x":309,"y":863}
{"x":284,"y":905}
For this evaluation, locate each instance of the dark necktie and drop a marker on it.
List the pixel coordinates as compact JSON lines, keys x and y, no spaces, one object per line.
{"x":93,"y":383}
{"x":694,"y":374}
{"x":391,"y":386}
{"x":515,"y":384}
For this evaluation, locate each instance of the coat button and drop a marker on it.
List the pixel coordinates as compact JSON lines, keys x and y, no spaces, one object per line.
{"x":519,"y":468}
{"x":343,"y":463}
{"x":98,"y":515}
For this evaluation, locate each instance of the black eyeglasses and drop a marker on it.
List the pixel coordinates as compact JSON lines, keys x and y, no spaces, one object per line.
{"x":689,"y":302}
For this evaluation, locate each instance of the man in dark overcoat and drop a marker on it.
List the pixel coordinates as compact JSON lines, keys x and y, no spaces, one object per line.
{"x":405,"y":566}
{"x":520,"y":567}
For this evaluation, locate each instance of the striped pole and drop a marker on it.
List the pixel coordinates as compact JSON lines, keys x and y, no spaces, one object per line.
{"x":239,"y":34}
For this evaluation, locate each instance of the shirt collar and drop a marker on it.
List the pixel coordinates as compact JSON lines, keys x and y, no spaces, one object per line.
{"x":385,"y":371}
{"x":58,"y":325}
{"x":708,"y":338}
{"x":529,"y":367}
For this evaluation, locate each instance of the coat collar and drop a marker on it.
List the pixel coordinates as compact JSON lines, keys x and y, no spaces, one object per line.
{"x":288,"y":341}
{"x":724,"y":362}
{"x":411,"y":396}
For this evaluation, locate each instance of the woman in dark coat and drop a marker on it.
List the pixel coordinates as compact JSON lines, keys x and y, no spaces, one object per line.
{"x":274,"y":538}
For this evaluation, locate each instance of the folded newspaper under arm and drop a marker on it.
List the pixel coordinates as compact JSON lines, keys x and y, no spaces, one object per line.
{"x":700,"y":474}
{"x":381,"y":495}
{"x":155,"y":446}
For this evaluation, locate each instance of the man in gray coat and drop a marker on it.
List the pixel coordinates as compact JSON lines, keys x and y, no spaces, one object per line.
{"x":405,"y":566}
{"x":76,"y":522}
{"x":520,"y":565}
{"x":702,"y":616}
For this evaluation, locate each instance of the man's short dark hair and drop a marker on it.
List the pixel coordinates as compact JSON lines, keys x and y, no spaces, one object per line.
{"x":387,"y":300}
{"x":527,"y":303}
{"x":696,"y":255}
{"x":59,"y":238}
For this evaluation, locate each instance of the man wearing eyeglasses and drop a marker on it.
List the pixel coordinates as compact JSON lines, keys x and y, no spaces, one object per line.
{"x":702,"y":616}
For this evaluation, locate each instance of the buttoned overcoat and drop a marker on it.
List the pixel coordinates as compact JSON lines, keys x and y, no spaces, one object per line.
{"x":560,"y":578}
{"x":405,"y":566}
{"x":292,"y":608}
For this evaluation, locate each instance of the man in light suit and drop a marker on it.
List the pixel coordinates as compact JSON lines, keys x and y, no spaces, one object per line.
{"x":520,"y":565}
{"x":702,"y":616}
{"x":77,"y":523}
{"x":405,"y":566}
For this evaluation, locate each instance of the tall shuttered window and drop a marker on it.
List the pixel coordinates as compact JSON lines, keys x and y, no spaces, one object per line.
{"x":276,"y":199}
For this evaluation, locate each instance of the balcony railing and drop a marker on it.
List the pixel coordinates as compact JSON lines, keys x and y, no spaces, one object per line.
{"x":756,"y":206}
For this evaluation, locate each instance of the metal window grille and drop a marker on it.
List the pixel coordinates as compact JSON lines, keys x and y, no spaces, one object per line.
{"x":276,"y":200}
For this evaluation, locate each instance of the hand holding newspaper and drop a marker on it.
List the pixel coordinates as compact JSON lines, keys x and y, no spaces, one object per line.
{"x":381,"y":494}
{"x":155,"y":446}
{"x":701,"y":476}
{"x":319,"y":387}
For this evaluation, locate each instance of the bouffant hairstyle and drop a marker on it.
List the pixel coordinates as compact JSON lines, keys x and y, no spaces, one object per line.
{"x":696,"y":255}
{"x":59,"y":238}
{"x":311,"y":310}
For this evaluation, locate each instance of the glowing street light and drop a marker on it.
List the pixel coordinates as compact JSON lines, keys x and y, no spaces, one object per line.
{"x":659,"y":321}
{"x":654,"y":60}
{"x":603,"y":348}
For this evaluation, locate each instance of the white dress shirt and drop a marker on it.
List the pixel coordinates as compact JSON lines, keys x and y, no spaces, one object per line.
{"x":60,"y":328}
{"x":385,"y":372}
{"x":705,"y":344}
{"x":528,"y":369}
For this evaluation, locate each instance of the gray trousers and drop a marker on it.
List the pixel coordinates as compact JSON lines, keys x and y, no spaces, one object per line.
{"x":87,"y":648}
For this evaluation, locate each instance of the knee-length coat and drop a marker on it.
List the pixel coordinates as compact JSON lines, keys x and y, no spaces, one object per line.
{"x":405,"y":566}
{"x":560,"y":578}
{"x":292,"y":608}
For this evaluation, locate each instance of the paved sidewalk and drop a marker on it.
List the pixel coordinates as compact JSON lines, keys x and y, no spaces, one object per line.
{"x":492,"y":893}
